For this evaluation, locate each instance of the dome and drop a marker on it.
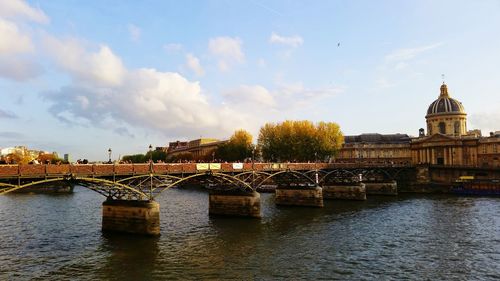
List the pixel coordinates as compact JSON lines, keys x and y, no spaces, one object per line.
{"x":445,"y":105}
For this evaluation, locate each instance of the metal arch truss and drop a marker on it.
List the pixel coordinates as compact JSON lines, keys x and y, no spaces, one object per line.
{"x":138,"y":187}
{"x":149,"y":186}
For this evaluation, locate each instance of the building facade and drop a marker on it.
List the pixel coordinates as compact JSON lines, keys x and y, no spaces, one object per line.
{"x":376,"y":149}
{"x":447,"y":141}
{"x":198,"y":149}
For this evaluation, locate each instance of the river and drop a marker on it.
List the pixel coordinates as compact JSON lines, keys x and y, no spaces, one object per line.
{"x":425,"y":237}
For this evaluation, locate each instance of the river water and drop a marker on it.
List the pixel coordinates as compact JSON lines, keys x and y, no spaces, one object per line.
{"x":58,"y":237}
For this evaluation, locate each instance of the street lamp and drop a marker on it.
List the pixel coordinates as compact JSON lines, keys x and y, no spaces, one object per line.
{"x":109,"y":155}
{"x":150,"y":153}
{"x":253,"y":171}
{"x":150,"y":172}
{"x":316,"y":176}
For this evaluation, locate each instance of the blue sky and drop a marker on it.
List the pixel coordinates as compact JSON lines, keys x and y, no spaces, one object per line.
{"x":80,"y":77}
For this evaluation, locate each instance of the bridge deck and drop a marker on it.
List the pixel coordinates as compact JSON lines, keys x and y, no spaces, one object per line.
{"x":103,"y":170}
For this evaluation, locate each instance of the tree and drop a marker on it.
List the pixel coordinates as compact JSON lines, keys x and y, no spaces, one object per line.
{"x":136,"y":158}
{"x":299,"y":141}
{"x":156,"y":155}
{"x":180,"y":157}
{"x":238,"y":148}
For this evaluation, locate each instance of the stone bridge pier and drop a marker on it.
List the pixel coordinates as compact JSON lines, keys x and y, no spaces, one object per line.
{"x":299,"y":196}
{"x":131,"y":216}
{"x":382,"y":188}
{"x":352,"y":191}
{"x":234,"y":203}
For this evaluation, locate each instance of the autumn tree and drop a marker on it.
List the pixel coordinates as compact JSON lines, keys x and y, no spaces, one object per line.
{"x":299,"y":141}
{"x":238,"y":148}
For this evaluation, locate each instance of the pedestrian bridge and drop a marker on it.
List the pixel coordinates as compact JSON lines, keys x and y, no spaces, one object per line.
{"x":131,"y":189}
{"x":146,"y":181}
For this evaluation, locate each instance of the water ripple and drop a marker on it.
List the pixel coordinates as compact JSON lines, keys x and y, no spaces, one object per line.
{"x":46,"y":237}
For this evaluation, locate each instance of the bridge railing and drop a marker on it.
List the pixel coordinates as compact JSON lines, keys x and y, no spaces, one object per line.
{"x":42,"y":170}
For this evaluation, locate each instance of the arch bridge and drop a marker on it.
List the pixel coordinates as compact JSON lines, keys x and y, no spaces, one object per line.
{"x":131,"y":189}
{"x":147,"y":181}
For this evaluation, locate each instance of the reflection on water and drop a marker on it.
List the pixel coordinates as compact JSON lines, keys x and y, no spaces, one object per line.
{"x":407,"y":237}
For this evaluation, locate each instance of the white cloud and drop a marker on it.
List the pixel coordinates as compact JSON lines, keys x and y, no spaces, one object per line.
{"x":12,"y":41}
{"x":257,"y":104}
{"x":16,"y":53}
{"x":172,"y":47}
{"x":228,"y":51}
{"x":20,"y":10}
{"x":122,"y":131}
{"x":292,"y":41}
{"x":144,"y":98}
{"x":193,"y":63}
{"x":410,"y":53}
{"x":286,"y":96}
{"x":7,"y":114}
{"x":256,"y":94}
{"x":101,"y":66}
{"x":19,"y":68}
{"x":134,"y":32}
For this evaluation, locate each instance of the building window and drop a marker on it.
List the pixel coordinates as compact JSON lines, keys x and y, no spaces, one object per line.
{"x":484,"y":148}
{"x":442,"y":127}
{"x":495,"y":148}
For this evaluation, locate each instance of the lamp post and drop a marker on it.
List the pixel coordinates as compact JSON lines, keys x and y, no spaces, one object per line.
{"x":253,"y":171}
{"x":150,"y":153}
{"x":109,"y":155}
{"x":150,"y":172}
{"x":316,"y":167}
{"x":253,"y":156}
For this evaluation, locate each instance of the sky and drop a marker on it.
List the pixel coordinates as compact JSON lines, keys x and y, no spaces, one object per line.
{"x":81,"y":77}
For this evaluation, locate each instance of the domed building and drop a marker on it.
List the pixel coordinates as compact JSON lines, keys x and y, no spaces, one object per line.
{"x":446,"y":115}
{"x":448,"y":142}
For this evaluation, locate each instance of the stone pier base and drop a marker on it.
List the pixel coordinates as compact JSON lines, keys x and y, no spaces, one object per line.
{"x":345,"y":192}
{"x":312,"y":197}
{"x":137,"y":217}
{"x":239,"y":204}
{"x":381,"y":188}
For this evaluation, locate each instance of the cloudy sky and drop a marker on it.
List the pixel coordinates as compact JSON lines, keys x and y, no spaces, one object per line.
{"x":80,"y":77}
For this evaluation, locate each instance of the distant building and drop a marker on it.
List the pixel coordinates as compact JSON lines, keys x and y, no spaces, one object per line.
{"x":23,"y":155}
{"x":448,"y":142}
{"x":66,"y":157}
{"x":376,"y":148}
{"x":198,"y":149}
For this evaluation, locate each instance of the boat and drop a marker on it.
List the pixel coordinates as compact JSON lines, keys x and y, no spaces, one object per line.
{"x":469,"y":185}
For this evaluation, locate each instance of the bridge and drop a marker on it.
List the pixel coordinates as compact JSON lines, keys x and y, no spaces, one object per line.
{"x":130,"y":189}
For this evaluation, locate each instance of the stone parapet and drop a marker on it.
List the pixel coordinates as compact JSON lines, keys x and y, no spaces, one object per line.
{"x":312,"y":197}
{"x":346,"y":192}
{"x":137,"y":217}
